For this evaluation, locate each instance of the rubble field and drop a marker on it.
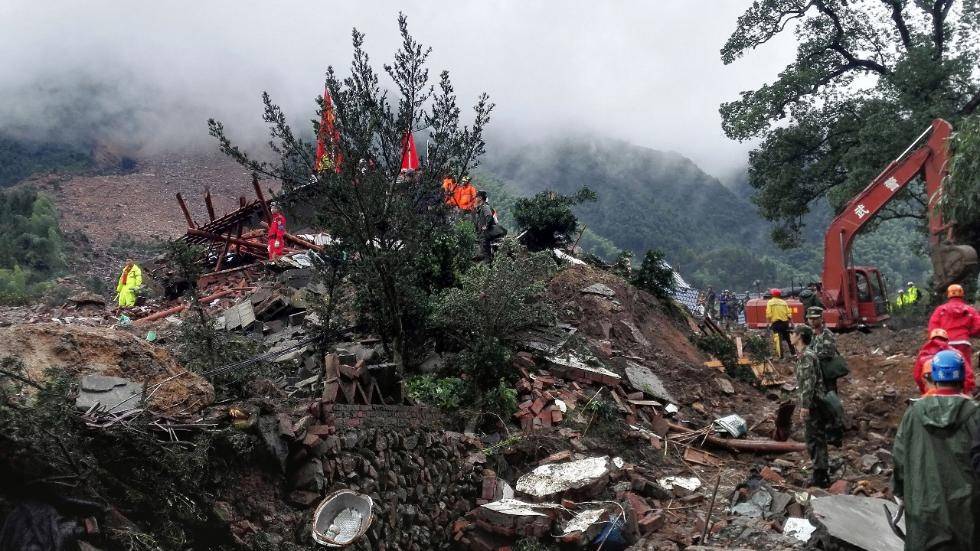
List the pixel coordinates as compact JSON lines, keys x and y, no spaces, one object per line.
{"x":626,"y":434}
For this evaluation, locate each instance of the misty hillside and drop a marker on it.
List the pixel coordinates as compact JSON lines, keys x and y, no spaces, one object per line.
{"x":711,"y":233}
{"x":647,"y":198}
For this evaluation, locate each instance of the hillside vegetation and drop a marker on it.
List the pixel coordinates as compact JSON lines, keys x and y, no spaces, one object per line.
{"x":650,"y":199}
{"x":32,"y":250}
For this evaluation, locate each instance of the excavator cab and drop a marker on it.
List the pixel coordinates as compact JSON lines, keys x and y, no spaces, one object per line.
{"x":870,"y":296}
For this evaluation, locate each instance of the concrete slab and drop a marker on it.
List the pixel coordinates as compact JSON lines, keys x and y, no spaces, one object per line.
{"x":858,"y":521}
{"x":113,"y":394}
{"x":555,"y":478}
{"x":641,"y":378}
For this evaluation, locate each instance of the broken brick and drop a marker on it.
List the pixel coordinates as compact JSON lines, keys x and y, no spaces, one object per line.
{"x":538,"y":405}
{"x":771,"y":475}
{"x":841,"y":487}
{"x":652,"y":522}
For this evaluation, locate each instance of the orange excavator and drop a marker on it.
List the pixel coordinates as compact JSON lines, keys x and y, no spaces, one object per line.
{"x":855,"y":296}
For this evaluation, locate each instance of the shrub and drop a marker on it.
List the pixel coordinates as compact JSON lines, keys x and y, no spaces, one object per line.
{"x":547,"y":217}
{"x":444,"y":393}
{"x":493,"y":303}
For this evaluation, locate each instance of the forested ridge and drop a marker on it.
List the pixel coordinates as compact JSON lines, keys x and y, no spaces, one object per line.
{"x":713,"y":234}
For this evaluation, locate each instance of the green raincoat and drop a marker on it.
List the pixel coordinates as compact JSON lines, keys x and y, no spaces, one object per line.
{"x":934,"y":476}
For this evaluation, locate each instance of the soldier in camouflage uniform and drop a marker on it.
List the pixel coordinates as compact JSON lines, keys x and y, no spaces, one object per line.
{"x":811,"y":390}
{"x":824,"y":341}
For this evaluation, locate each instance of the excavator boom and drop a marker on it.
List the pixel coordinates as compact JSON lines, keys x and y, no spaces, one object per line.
{"x":847,"y":290}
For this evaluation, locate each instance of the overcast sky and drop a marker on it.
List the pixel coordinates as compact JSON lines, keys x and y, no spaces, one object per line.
{"x":645,"y":71}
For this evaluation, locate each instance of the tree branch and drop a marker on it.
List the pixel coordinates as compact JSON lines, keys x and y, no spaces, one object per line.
{"x":900,"y":24}
{"x":838,"y":46}
{"x":940,"y":9}
{"x":971,"y":105}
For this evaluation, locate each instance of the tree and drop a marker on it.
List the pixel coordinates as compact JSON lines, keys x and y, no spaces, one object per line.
{"x":548,"y":217}
{"x":869,"y":76}
{"x":655,"y":276}
{"x":392,"y":228}
{"x":493,"y":303}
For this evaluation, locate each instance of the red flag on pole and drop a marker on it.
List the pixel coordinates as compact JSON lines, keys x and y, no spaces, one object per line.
{"x":328,"y":137}
{"x":410,"y":156}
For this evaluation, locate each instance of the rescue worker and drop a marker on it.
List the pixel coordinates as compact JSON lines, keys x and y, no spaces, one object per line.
{"x":961,"y":322}
{"x":130,"y":281}
{"x":723,"y":306}
{"x":277,"y":232}
{"x":483,"y":220}
{"x":709,"y":302}
{"x":938,"y":341}
{"x":779,"y":315}
{"x":900,"y":299}
{"x":933,"y":474}
{"x":912,"y":294}
{"x":464,"y":196}
{"x":809,"y":296}
{"x":824,"y":342}
{"x":810,"y":400}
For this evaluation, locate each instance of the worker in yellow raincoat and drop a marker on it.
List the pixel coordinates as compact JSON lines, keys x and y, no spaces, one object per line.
{"x":129,"y":282}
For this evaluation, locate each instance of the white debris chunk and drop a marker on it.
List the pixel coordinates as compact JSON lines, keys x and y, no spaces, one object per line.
{"x":555,"y":478}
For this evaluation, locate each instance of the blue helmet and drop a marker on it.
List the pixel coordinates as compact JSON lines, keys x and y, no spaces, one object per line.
{"x":947,"y":367}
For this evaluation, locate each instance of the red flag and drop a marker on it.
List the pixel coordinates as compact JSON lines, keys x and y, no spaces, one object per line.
{"x":328,"y":137}
{"x":410,"y":156}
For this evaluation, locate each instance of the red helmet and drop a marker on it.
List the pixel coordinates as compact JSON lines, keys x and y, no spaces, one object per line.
{"x":776,"y":292}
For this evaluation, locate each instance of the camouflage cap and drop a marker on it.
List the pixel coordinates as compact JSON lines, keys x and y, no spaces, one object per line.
{"x":814,"y":312}
{"x":803,"y":329}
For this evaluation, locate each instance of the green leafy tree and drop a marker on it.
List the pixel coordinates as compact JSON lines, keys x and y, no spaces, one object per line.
{"x":494,"y":301}
{"x":392,"y":228}
{"x":548,"y":218}
{"x":655,"y":276}
{"x":961,"y":201}
{"x":32,"y":250}
{"x":869,"y":76}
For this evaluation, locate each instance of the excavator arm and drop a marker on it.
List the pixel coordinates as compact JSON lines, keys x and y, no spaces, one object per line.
{"x":927,"y":159}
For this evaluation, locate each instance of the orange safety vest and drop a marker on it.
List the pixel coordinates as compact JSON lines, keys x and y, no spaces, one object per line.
{"x":459,"y":195}
{"x":465,"y":196}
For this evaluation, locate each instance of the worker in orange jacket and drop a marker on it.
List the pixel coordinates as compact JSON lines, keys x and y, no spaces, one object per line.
{"x":277,"y":232}
{"x":462,"y":195}
{"x":961,"y":322}
{"x":938,"y":341}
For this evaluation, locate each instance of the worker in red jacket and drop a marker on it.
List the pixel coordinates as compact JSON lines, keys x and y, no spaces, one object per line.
{"x":961,"y":321}
{"x":938,"y":341}
{"x":277,"y":232}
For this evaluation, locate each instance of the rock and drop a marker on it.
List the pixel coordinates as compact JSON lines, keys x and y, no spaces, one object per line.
{"x":87,"y":298}
{"x":856,"y":520}
{"x":641,"y":378}
{"x":433,"y":363}
{"x":556,"y":478}
{"x":309,"y":476}
{"x":725,"y":385}
{"x":112,"y":394}
{"x":868,"y":462}
{"x":268,"y":429}
{"x":599,"y":289}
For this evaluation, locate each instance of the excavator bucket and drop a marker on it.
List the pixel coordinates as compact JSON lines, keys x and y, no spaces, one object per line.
{"x":953,"y":263}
